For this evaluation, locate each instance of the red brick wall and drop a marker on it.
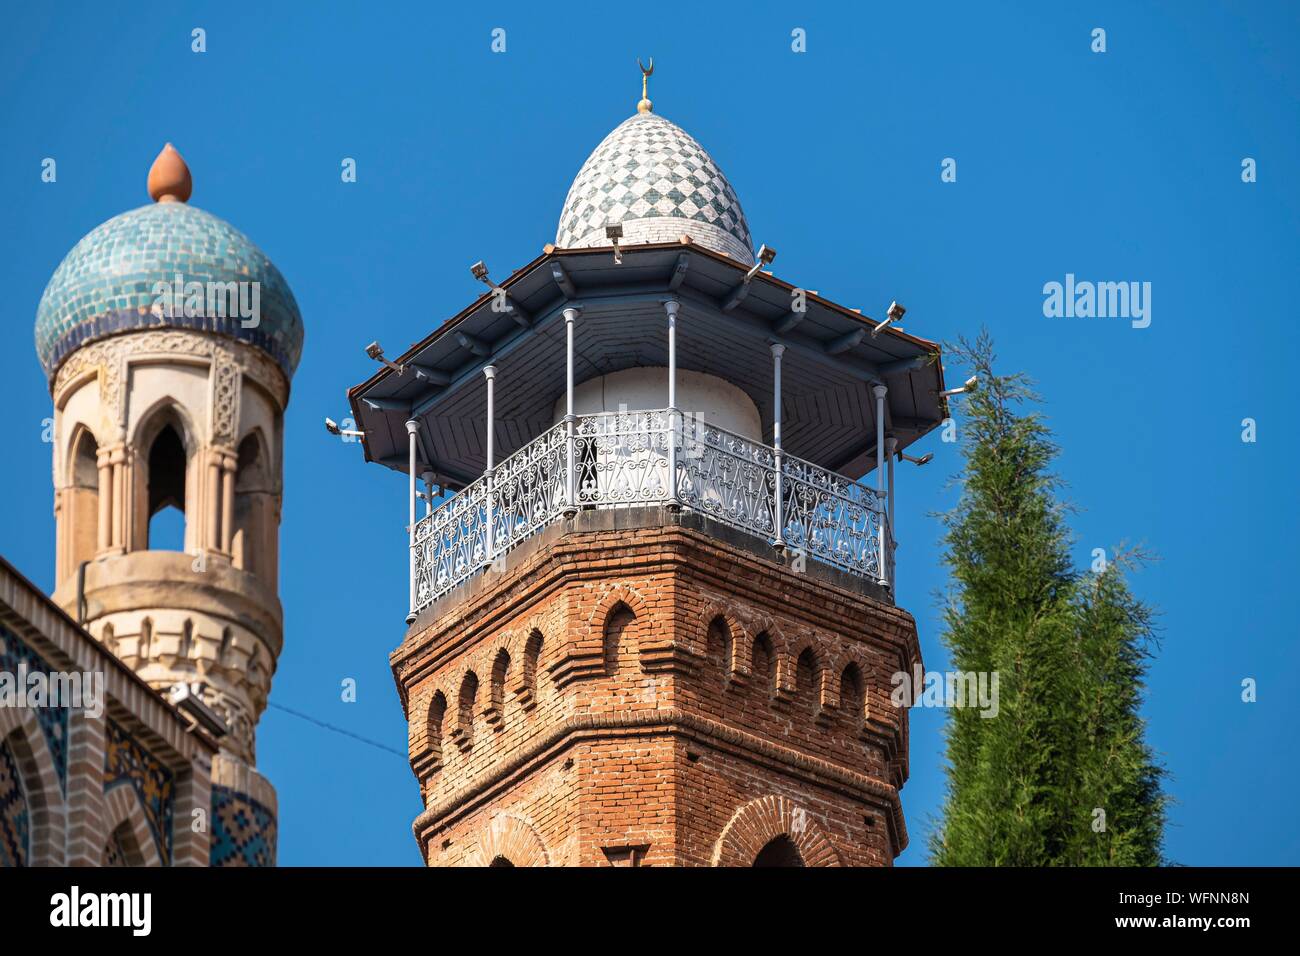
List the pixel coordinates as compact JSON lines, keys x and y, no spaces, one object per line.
{"x":692,"y":694}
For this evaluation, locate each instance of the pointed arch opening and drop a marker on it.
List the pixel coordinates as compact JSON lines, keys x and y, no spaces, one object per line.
{"x":852,"y":694}
{"x":84,"y":532}
{"x":763,"y":663}
{"x":145,"y":644}
{"x":497,"y":689}
{"x":807,"y":673}
{"x":253,"y":539}
{"x":532,"y":655}
{"x":437,"y":714}
{"x":166,"y":482}
{"x":465,"y":710}
{"x":718,"y":649}
{"x":618,"y":646}
{"x":32,"y":808}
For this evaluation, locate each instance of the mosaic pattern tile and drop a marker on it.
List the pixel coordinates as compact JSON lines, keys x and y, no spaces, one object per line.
{"x":53,"y":721}
{"x":655,"y":179}
{"x":243,"y":831}
{"x":114,"y":852}
{"x":105,"y":285}
{"x":15,"y":819}
{"x":126,"y":762}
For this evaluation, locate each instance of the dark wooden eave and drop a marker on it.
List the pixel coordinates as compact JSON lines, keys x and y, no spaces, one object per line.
{"x":725,"y":328}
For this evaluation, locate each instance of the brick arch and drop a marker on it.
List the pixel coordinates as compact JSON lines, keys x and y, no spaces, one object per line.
{"x":599,"y":618}
{"x":778,"y":643}
{"x":423,"y":747}
{"x":417,"y":722}
{"x":45,"y":801}
{"x":757,"y":823}
{"x":855,"y":711}
{"x":500,"y":665}
{"x":463,"y":707}
{"x":514,"y":839}
{"x":740,"y":638}
{"x":530,"y":647}
{"x":826,"y":673}
{"x":122,"y":806}
{"x":619,"y":594}
{"x":785,"y":653}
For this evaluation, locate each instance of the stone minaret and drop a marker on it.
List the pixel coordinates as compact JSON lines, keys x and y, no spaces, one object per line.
{"x":169,"y":341}
{"x":655,"y":624}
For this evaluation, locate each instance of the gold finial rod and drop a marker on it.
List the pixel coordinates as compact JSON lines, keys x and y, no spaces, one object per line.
{"x":645,"y":106}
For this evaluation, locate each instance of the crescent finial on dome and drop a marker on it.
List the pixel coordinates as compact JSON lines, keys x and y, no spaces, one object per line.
{"x":169,"y":177}
{"x":645,"y":106}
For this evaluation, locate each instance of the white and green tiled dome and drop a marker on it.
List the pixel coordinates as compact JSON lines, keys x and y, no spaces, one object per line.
{"x":655,"y":179}
{"x":108,"y":283}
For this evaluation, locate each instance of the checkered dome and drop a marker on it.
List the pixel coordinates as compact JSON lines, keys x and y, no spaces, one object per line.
{"x":655,"y":179}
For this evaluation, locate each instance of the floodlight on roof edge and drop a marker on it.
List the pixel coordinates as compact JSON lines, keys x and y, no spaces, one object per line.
{"x":967,"y":386}
{"x":894,"y":316}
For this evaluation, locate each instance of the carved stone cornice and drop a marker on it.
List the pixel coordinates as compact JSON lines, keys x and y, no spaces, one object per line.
{"x":110,"y":358}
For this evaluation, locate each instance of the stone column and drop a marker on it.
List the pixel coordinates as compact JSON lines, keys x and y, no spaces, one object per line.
{"x":104,"y":529}
{"x":121,"y":509}
{"x":210,"y":503}
{"x":229,"y":463}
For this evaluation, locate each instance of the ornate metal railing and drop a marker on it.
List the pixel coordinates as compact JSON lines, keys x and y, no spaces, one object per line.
{"x":621,"y":459}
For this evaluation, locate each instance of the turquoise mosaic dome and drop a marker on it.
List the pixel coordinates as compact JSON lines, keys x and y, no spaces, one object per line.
{"x":106,"y":284}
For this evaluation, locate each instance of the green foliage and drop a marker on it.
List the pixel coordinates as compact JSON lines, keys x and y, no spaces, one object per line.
{"x":1070,"y":650}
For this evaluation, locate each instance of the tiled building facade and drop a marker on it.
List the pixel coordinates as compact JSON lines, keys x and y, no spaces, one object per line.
{"x":127,"y":786}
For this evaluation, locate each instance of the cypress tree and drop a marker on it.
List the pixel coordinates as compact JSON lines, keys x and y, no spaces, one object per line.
{"x":1068,"y":650}
{"x":1119,"y":778}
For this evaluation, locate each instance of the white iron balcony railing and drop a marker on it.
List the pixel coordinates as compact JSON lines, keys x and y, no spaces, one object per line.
{"x":623,"y":459}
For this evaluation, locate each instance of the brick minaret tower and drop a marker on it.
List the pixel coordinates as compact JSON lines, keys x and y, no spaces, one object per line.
{"x":169,"y":341}
{"x":653,"y":621}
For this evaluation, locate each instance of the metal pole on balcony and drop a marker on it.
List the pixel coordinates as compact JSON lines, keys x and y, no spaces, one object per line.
{"x":891,"y":452}
{"x":570,"y":478}
{"x":891,"y":448}
{"x":778,"y":511}
{"x":491,"y":373}
{"x":412,"y":429}
{"x":671,"y":306}
{"x":880,"y":391}
{"x":427,"y":477}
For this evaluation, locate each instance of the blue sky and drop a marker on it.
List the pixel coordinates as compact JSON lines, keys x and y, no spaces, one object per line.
{"x":1120,"y":166}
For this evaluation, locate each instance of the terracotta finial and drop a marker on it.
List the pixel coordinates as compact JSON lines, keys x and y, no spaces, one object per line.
{"x":169,"y":177}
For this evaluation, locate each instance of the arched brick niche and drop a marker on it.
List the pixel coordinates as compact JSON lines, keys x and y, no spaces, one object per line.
{"x":757,"y":823}
{"x":509,"y":841}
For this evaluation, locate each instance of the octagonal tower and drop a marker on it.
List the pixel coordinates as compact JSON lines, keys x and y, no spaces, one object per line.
{"x":169,"y":341}
{"x":652,"y":619}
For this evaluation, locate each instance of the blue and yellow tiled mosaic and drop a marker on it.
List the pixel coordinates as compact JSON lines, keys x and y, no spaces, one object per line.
{"x":15,"y":816}
{"x":126,"y":761}
{"x":15,"y":658}
{"x":243,"y":831}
